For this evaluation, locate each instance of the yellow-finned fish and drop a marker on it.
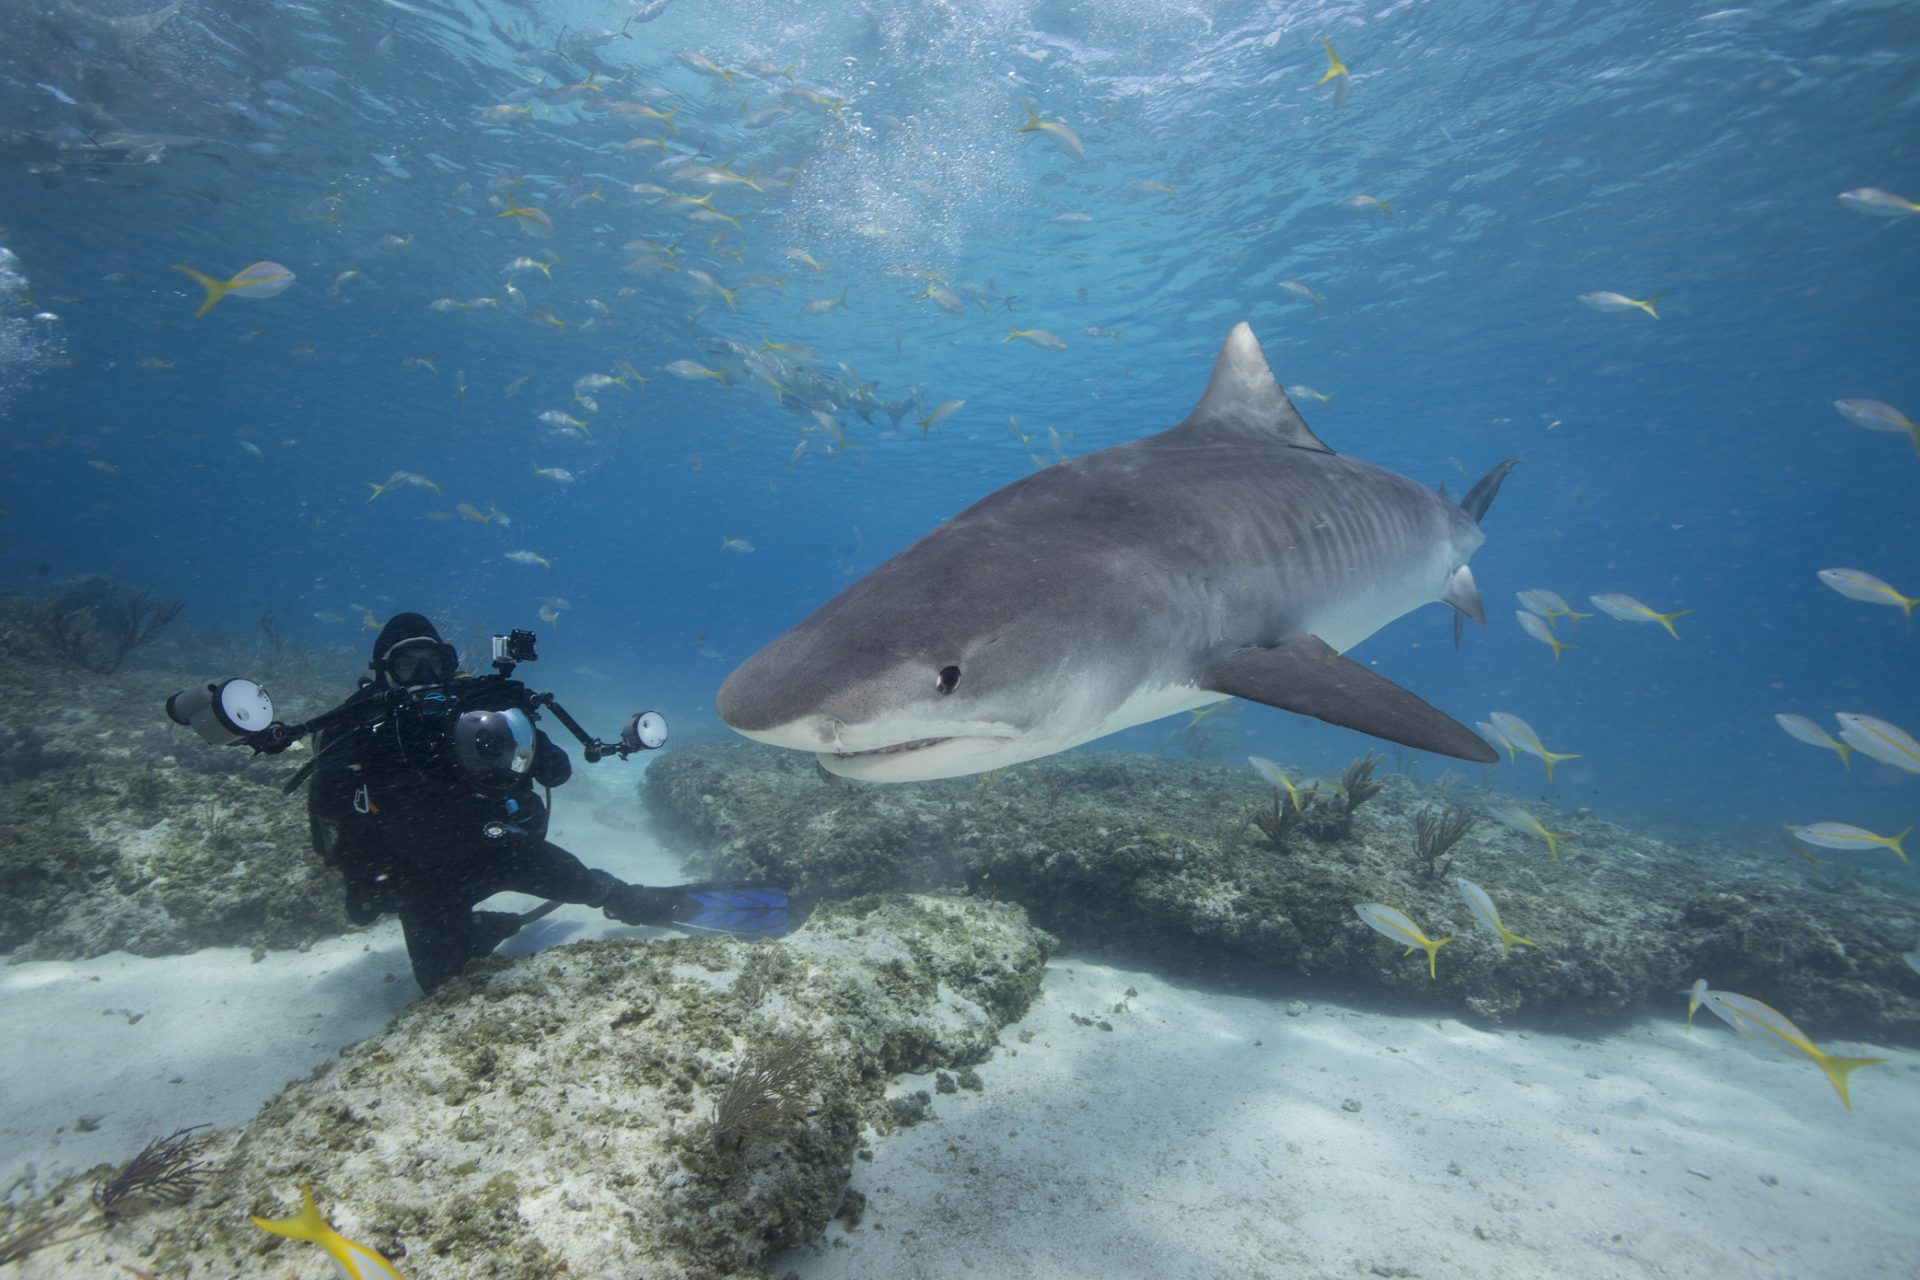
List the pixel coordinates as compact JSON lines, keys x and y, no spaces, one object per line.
{"x":261,"y":280}
{"x":1696,"y":996}
{"x":946,"y":410}
{"x":1878,"y":203}
{"x":1489,"y":915}
{"x":1762,"y":1022}
{"x":355,"y":1261}
{"x":1041,"y":338}
{"x":693,"y":369}
{"x":530,"y":216}
{"x":1335,"y":67}
{"x":1857,"y":584}
{"x":1792,"y":845}
{"x":1522,"y":820}
{"x":401,"y":478}
{"x":529,"y":557}
{"x":1549,"y":605}
{"x":1521,"y":735}
{"x":1299,"y":290}
{"x":1063,"y":137}
{"x":1494,"y":736}
{"x":1534,"y":625}
{"x":1846,"y":836}
{"x":1878,"y":415}
{"x":1813,"y":735}
{"x":524,"y":263}
{"x":1627,"y":609}
{"x":1887,"y":743}
{"x":1397,"y":925}
{"x":702,"y":63}
{"x":820,"y":306}
{"x":1608,"y":300}
{"x":1271,"y":772}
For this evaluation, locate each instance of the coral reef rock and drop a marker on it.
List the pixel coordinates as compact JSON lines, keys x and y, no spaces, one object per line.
{"x":120,"y":830}
{"x":1166,"y":859}
{"x":158,"y":860}
{"x":554,"y":1114}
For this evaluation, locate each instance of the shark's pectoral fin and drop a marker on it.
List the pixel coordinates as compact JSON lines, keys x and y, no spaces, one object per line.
{"x":1463,"y":595}
{"x":1304,"y":675}
{"x":1465,"y":599}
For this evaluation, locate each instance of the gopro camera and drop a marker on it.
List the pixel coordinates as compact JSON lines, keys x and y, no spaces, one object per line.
{"x":515,"y":646}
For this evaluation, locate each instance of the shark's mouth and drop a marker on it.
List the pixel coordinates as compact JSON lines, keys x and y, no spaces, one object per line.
{"x":924,"y":759}
{"x":895,"y":749}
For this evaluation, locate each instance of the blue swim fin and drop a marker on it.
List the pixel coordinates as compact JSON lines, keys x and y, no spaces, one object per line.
{"x":731,"y":908}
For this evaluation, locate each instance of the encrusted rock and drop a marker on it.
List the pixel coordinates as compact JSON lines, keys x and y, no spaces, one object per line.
{"x":1160,"y":857}
{"x":120,"y":830}
{"x":550,"y":1114}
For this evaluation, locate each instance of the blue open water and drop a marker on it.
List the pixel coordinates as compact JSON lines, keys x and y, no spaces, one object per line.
{"x":1530,"y":152}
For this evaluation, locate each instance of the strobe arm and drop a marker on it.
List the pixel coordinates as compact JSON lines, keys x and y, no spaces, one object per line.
{"x":279,"y":735}
{"x":645,"y":731}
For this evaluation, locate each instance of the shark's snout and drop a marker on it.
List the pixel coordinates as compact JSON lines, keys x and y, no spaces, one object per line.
{"x":759,"y":699}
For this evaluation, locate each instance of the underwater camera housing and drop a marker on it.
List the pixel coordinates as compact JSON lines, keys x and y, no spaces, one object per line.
{"x":223,"y":712}
{"x":427,"y":719}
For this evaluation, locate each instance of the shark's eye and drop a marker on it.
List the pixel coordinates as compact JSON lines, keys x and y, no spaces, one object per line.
{"x":949,"y":677}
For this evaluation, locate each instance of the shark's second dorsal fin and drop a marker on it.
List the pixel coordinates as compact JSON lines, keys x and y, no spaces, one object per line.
{"x":1243,"y":396}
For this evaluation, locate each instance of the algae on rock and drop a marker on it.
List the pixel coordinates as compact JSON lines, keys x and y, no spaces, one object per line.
{"x":158,"y":861}
{"x":119,"y":830}
{"x":549,"y":1114}
{"x":1158,"y":857}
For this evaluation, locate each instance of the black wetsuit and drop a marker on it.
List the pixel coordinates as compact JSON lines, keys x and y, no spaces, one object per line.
{"x":405,"y":828}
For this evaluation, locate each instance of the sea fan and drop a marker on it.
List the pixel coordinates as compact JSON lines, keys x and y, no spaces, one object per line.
{"x":167,"y":1171}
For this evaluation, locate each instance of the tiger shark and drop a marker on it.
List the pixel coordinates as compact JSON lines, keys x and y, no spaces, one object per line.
{"x":1232,"y":556}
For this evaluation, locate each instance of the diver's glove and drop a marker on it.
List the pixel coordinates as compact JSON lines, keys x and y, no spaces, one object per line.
{"x":726,"y":908}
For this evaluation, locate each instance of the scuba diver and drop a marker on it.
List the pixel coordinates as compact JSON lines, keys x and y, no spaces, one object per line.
{"x":424,"y":799}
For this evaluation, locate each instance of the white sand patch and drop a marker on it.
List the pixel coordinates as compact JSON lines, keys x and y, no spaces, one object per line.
{"x":1211,"y":1136}
{"x":214,"y":1035}
{"x":141,"y":1047}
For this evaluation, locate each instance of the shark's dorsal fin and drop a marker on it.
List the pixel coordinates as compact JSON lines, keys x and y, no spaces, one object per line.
{"x":1244,"y":397}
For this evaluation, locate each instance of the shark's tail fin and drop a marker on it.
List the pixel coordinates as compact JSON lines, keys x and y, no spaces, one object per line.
{"x":1481,"y":496}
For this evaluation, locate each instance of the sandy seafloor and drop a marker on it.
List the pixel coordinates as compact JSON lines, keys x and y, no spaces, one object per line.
{"x":1203,"y":1135}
